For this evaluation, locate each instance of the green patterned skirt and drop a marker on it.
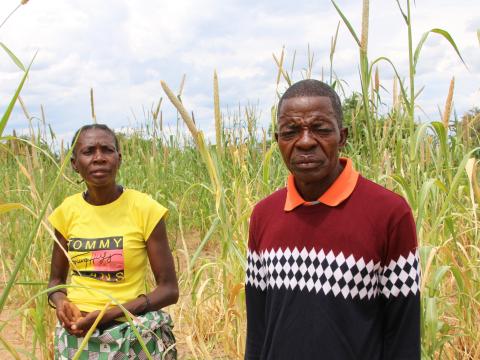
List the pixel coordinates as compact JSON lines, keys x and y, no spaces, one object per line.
{"x":120,"y":342}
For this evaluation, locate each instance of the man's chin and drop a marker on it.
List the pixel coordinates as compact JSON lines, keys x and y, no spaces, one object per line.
{"x":310,"y":177}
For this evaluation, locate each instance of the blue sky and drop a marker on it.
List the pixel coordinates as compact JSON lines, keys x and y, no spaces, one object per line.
{"x":123,"y":49}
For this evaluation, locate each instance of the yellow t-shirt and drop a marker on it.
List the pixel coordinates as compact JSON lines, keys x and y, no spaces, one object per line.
{"x":107,"y":246}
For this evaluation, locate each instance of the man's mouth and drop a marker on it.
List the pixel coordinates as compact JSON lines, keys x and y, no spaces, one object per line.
{"x":307,"y":163}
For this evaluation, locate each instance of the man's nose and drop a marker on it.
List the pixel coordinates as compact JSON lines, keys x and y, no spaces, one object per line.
{"x":306,"y":139}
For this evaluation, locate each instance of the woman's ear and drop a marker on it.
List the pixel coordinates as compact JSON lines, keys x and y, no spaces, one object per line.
{"x":72,"y":162}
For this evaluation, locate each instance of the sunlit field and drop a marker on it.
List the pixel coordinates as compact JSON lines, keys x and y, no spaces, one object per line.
{"x":210,"y":188}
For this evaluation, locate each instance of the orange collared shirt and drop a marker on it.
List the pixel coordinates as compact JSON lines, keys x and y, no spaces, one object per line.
{"x":341,"y":189}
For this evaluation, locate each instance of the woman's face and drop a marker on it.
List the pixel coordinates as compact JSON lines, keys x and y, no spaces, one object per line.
{"x":96,"y":158}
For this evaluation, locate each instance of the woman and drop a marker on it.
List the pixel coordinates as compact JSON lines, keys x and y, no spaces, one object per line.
{"x":108,"y":233}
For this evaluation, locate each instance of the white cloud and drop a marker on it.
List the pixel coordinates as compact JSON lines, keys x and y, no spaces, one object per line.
{"x":123,"y":48}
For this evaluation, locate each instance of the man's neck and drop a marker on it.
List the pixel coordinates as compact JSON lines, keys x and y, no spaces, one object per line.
{"x":313,"y":191}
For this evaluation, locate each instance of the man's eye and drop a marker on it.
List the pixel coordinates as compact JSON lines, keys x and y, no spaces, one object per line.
{"x":288,"y":134}
{"x":321,"y":130}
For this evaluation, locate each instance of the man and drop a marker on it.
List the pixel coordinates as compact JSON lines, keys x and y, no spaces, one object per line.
{"x":333,"y":270}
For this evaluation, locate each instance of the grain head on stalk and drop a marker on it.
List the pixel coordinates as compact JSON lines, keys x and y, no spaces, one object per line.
{"x":364,"y":35}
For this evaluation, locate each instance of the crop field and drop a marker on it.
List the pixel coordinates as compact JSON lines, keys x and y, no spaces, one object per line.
{"x":211,"y":187}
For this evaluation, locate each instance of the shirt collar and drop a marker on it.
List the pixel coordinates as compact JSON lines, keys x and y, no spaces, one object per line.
{"x":340,"y":190}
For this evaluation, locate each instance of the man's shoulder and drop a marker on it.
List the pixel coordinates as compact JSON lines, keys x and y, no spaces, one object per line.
{"x":275,"y":200}
{"x":378,"y":195}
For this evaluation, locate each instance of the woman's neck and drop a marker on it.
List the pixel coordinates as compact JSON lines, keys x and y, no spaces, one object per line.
{"x":102,"y":195}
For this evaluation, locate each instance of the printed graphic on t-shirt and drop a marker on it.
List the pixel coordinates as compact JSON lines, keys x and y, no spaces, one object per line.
{"x":98,"y":258}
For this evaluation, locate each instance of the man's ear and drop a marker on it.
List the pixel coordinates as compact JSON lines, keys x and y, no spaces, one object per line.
{"x":119,"y":159}
{"x":343,"y":137}
{"x":276,"y":136}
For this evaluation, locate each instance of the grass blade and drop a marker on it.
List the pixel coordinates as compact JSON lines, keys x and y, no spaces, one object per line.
{"x":442,"y":33}
{"x":347,"y":23}
{"x":9,"y":207}
{"x":8,"y":111}
{"x":13,"y":57}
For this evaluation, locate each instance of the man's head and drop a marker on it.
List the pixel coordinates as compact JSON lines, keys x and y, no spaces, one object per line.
{"x":310,"y":133}
{"x":311,"y":87}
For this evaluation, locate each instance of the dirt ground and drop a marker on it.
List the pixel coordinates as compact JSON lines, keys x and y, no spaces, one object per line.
{"x":12,"y":333}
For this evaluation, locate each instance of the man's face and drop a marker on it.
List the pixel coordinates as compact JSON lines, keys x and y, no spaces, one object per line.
{"x":309,"y":138}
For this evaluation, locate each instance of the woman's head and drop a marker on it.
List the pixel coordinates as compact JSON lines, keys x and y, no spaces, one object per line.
{"x":96,"y":154}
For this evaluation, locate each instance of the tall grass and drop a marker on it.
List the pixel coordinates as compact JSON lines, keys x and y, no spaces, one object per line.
{"x":210,"y":191}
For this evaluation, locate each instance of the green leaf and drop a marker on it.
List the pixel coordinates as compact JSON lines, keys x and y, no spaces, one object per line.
{"x":13,"y":57}
{"x":406,"y":189}
{"x":422,"y":200}
{"x":441,"y":32}
{"x":419,"y":137}
{"x":204,"y":242}
{"x":347,"y":23}
{"x":431,"y":318}
{"x":8,"y":111}
{"x":402,"y":88}
{"x":403,"y":13}
{"x":437,"y":279}
{"x":424,"y":253}
{"x":458,"y":275}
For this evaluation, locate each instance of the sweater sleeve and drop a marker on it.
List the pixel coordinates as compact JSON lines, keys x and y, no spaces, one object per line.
{"x":400,"y":288}
{"x":255,"y":293}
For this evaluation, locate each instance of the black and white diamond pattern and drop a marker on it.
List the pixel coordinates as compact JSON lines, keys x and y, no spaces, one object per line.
{"x":330,"y":273}
{"x":401,"y":276}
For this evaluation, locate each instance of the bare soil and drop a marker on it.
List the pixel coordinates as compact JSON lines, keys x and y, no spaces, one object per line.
{"x":12,"y":333}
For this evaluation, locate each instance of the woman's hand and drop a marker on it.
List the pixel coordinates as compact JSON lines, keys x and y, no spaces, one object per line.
{"x":84,"y":323}
{"x":68,"y":314}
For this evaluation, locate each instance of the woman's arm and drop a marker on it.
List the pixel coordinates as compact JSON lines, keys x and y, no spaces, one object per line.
{"x":165,"y":293}
{"x":67,"y":313}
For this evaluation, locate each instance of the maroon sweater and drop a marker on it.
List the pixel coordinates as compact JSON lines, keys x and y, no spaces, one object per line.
{"x":336,"y":282}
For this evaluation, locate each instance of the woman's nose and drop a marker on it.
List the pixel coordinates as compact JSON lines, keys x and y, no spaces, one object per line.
{"x":98,"y":156}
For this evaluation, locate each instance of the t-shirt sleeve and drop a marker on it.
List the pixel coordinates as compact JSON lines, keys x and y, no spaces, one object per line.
{"x":58,"y":219}
{"x":151,"y":213}
{"x":400,"y":288}
{"x":255,"y":294}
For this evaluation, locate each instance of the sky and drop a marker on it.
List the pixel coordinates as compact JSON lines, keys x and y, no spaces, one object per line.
{"x":122,"y":49}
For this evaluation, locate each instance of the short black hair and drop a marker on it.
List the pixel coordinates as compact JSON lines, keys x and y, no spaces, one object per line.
{"x":311,"y":87}
{"x":95,"y":126}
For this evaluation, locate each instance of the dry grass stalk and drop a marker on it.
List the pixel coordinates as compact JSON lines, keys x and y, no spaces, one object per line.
{"x":472,"y":168}
{"x":23,"y":2}
{"x":181,"y":109}
{"x":448,"y":104}
{"x":282,"y":70}
{"x":24,"y":108}
{"x":218,"y":118}
{"x":395,"y":101}
{"x":92,"y":107}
